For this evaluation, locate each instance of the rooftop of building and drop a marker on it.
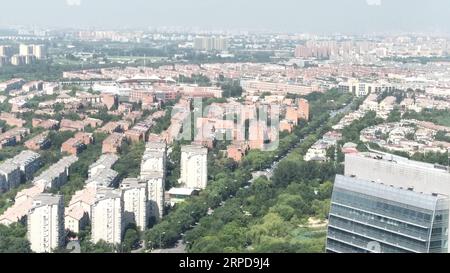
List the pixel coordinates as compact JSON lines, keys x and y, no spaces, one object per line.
{"x":181,"y":191}
{"x":103,"y":178}
{"x":129,"y":183}
{"x":46,"y":199}
{"x":389,"y":192}
{"x":106,"y":160}
{"x":106,"y":193}
{"x":194,"y":148}
{"x":386,"y":157}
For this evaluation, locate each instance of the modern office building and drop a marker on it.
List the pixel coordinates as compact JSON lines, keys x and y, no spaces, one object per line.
{"x":46,"y":223}
{"x":386,"y":203}
{"x":194,"y":173}
{"x":106,"y":217}
{"x":134,"y":195}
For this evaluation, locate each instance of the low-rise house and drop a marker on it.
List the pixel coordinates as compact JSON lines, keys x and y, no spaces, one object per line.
{"x":57,"y":174}
{"x":49,"y":124}
{"x":113,"y":143}
{"x":106,"y":161}
{"x":77,"y":144}
{"x":92,"y":122}
{"x":28,"y":162}
{"x":179,"y":195}
{"x":236,"y":151}
{"x":71,"y":125}
{"x":9,"y":175}
{"x":38,"y":142}
{"x":12,"y":120}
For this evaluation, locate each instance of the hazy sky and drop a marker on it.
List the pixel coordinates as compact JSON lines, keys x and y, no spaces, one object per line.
{"x":346,"y":16}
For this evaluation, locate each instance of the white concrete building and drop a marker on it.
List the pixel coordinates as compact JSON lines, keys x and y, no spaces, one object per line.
{"x":156,"y":192}
{"x":106,"y":161}
{"x":134,"y":195}
{"x":57,"y":174}
{"x":153,"y":171}
{"x":194,"y":173}
{"x":106,"y":214}
{"x":77,"y":214}
{"x":154,"y":159}
{"x":75,"y":218}
{"x":29,"y":162}
{"x":9,"y":175}
{"x":46,"y":223}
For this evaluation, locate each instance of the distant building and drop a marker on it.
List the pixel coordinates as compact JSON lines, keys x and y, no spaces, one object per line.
{"x":211,"y":43}
{"x":46,"y":223}
{"x":11,"y":84}
{"x":25,"y":50}
{"x":109,"y":100}
{"x":40,"y":51}
{"x":6,"y":51}
{"x":361,"y":89}
{"x":37,"y":51}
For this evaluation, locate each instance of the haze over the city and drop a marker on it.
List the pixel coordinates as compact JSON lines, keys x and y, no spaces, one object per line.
{"x":321,"y":16}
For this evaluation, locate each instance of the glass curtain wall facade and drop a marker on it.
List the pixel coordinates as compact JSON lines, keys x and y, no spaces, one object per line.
{"x":370,"y":217}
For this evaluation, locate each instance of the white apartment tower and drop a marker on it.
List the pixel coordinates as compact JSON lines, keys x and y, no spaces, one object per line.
{"x":155,"y":188}
{"x":154,"y":158}
{"x":39,"y":51}
{"x":153,"y":171}
{"x":46,"y":223}
{"x":134,"y":195}
{"x":25,"y":50}
{"x":106,"y":213}
{"x":194,"y":173}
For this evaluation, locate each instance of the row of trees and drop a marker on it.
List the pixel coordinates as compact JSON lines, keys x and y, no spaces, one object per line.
{"x":229,"y":182}
{"x":273,"y":215}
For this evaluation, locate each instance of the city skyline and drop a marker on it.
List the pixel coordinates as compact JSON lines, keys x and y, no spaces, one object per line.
{"x":323,"y":16}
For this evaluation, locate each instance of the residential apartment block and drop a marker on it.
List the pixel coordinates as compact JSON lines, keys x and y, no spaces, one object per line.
{"x":135,"y":196}
{"x":107,"y":217}
{"x":194,"y":173}
{"x":46,"y":223}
